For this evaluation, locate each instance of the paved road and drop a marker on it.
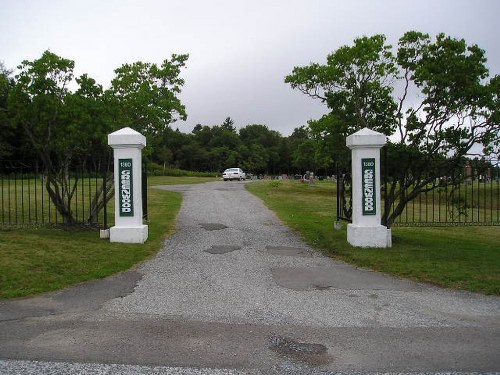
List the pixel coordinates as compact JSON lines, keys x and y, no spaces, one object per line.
{"x":236,"y":292}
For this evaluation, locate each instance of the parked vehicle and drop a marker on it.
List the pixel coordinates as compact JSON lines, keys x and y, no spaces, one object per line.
{"x":233,"y":174}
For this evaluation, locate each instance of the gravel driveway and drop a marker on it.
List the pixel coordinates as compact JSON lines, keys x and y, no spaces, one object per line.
{"x":235,"y":289}
{"x":250,"y":284}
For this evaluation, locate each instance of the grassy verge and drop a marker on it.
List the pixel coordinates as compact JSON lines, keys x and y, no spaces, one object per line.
{"x":39,"y":260}
{"x":185,"y":180}
{"x":465,"y":258}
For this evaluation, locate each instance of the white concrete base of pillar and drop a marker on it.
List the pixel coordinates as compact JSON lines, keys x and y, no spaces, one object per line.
{"x":129,"y":234}
{"x":360,"y":236}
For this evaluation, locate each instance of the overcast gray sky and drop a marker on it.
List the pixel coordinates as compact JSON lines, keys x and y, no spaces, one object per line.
{"x":240,"y":51}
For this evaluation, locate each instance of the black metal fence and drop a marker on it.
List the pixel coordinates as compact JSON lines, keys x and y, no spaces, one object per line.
{"x":344,"y":195}
{"x":469,"y":196}
{"x":25,"y":199}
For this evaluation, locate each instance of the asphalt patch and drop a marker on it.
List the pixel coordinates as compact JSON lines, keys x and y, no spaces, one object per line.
{"x":309,"y":353}
{"x":288,"y":251}
{"x":338,"y":277}
{"x":222,"y":249}
{"x":212,"y":226}
{"x":86,"y":296}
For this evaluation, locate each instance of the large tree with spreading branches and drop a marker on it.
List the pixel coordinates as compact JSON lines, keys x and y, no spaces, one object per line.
{"x":67,"y":119}
{"x":433,"y":97}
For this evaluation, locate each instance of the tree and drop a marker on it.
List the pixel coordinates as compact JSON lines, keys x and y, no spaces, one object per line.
{"x":259,"y":134}
{"x":37,"y":103}
{"x":219,"y":143}
{"x":6,"y":127}
{"x":63,"y":126}
{"x":172,"y":140}
{"x":254,"y":158}
{"x":354,"y":84}
{"x":304,"y":156}
{"x":193,"y":157}
{"x":445,"y":105}
{"x":221,"y":158}
{"x":264,"y":147}
{"x":228,"y":125}
{"x":146,"y":94}
{"x":165,"y":155}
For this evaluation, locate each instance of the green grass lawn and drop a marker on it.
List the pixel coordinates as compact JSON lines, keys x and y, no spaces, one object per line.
{"x":456,"y":257}
{"x":39,"y":260}
{"x":169,"y":180}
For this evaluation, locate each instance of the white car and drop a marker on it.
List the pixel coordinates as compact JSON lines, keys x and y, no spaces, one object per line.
{"x":233,"y":174}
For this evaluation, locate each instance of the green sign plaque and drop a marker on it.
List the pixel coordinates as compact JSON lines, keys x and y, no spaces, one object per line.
{"x":369,"y":204}
{"x":126,"y":194}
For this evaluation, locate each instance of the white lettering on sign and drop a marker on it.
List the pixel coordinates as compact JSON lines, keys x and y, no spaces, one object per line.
{"x":125,"y":191}
{"x":368,"y":189}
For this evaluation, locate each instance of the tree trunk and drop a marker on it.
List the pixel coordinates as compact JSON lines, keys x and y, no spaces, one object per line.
{"x":56,"y":194}
{"x":102,"y":196}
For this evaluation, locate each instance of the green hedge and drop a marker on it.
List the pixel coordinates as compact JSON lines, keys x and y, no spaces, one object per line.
{"x":158,"y":170}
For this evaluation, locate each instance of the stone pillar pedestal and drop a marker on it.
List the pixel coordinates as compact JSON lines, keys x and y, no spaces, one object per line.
{"x":365,"y":229}
{"x":127,"y":145}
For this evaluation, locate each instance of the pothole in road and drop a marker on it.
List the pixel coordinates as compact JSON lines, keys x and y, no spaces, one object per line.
{"x":312,"y":354}
{"x":212,"y":226}
{"x":222,"y":249}
{"x":288,"y":251}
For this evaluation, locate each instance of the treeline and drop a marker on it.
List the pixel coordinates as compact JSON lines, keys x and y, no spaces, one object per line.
{"x":254,"y":148}
{"x":42,"y":118}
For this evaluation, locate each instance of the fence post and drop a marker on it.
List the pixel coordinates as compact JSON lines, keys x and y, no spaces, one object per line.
{"x":365,"y":229}
{"x":144,"y":192}
{"x":127,"y":145}
{"x":105,"y":194}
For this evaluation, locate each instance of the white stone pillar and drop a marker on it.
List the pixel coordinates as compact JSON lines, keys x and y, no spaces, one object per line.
{"x":127,"y":145}
{"x":365,"y":229}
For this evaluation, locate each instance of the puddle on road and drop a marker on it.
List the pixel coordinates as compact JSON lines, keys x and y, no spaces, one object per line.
{"x":222,"y":249}
{"x":309,"y":353}
{"x":288,"y":251}
{"x":212,"y":226}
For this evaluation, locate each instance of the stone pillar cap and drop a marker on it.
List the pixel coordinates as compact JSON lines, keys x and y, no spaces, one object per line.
{"x":366,"y":138}
{"x":126,"y":137}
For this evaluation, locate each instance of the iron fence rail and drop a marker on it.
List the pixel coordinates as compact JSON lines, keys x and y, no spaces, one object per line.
{"x":344,"y":195}
{"x":25,"y":201}
{"x":471,"y":198}
{"x":471,"y":202}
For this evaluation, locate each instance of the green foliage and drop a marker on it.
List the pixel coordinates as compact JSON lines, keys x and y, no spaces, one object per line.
{"x":38,"y":104}
{"x":63,"y":126}
{"x":37,"y":101}
{"x":158,"y":170}
{"x":353,"y":84}
{"x":260,"y":135}
{"x":48,"y":114}
{"x":146,"y":94}
{"x":432,"y":96}
{"x":255,"y":148}
{"x":7,"y":133}
{"x":304,"y":155}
